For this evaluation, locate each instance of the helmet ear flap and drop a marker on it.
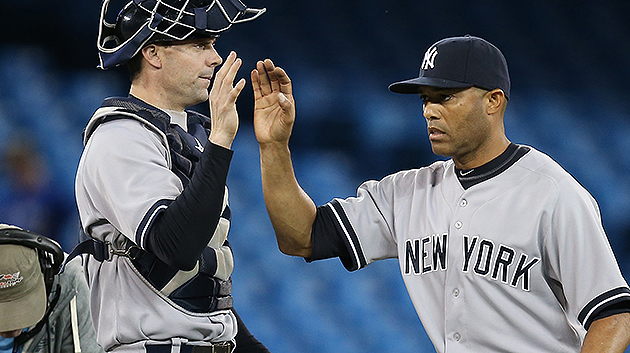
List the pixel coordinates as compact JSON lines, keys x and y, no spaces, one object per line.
{"x":106,"y":30}
{"x":110,"y":37}
{"x":130,"y":19}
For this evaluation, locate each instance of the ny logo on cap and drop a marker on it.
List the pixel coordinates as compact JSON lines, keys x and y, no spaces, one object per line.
{"x":429,"y":58}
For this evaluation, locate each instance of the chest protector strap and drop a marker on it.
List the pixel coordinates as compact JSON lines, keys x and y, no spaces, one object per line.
{"x":196,"y":290}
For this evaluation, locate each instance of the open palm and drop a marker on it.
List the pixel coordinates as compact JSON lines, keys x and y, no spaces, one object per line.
{"x":274,"y":106}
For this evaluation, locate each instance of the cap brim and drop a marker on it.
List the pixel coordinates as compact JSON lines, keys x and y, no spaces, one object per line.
{"x":412,"y":86}
{"x":25,"y":311}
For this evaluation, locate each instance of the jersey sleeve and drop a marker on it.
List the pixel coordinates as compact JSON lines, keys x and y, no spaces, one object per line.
{"x":581,"y":259}
{"x":124,"y":174}
{"x":180,"y":234}
{"x":358,"y":229}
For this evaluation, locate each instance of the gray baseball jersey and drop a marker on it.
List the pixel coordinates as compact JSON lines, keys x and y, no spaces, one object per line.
{"x":123,"y":180}
{"x":513,"y":259}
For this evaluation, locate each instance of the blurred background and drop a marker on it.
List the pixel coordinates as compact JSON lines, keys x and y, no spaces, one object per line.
{"x":569,"y":67}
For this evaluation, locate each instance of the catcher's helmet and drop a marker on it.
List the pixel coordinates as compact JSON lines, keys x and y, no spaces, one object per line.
{"x":141,"y":22}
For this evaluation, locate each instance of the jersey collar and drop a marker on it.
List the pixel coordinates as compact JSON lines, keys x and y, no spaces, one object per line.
{"x":474,"y":176}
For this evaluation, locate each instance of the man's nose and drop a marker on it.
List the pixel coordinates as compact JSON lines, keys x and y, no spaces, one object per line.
{"x":213,"y":59}
{"x":429,"y":111}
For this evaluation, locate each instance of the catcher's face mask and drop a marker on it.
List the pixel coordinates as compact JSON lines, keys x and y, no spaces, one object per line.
{"x":141,"y":22}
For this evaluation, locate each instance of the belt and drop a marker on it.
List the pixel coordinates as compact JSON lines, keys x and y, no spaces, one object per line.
{"x":223,"y":347}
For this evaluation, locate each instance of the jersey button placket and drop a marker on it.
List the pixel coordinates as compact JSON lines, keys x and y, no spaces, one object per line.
{"x":456,"y":312}
{"x":456,"y":315}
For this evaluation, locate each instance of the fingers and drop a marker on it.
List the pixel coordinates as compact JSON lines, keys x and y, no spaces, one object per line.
{"x":263,"y":79}
{"x":233,"y":70}
{"x":256,"y":84}
{"x":271,"y":72}
{"x":267,"y":79}
{"x":284,"y":102}
{"x":220,"y":75}
{"x":284,"y":80}
{"x":226,"y":75}
{"x":234,"y":93}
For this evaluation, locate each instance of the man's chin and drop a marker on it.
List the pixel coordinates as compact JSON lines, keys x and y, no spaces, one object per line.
{"x":11,"y":334}
{"x":440,"y":150}
{"x":199,"y":100}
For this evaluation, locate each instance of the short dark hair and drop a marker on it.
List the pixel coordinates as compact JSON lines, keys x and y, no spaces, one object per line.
{"x":134,"y":65}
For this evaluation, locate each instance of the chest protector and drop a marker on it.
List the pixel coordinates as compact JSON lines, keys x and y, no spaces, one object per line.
{"x":196,"y":290}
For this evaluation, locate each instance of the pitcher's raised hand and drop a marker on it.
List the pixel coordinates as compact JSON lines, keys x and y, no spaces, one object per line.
{"x":274,"y":106}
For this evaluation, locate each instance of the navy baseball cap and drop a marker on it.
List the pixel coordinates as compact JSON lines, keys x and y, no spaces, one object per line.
{"x":460,"y":62}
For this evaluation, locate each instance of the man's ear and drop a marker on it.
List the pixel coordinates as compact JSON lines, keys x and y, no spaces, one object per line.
{"x":152,"y":54}
{"x":496,"y":101}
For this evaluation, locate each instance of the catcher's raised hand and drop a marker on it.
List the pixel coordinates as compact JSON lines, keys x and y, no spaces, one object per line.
{"x":274,"y":106}
{"x":222,"y":100}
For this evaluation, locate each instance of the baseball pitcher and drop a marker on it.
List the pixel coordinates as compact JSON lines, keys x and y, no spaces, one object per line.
{"x":501,"y":250}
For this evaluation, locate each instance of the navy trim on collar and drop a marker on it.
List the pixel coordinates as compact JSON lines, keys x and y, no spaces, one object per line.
{"x":474,"y":176}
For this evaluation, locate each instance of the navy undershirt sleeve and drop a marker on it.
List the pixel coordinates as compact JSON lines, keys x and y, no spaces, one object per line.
{"x":617,"y":308}
{"x":182,"y":231}
{"x":327,"y":238}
